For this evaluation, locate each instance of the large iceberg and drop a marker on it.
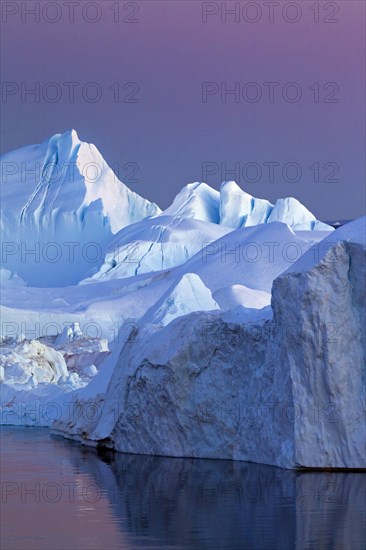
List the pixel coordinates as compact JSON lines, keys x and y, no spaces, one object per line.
{"x":224,"y":327}
{"x":286,"y":389}
{"x":60,"y":204}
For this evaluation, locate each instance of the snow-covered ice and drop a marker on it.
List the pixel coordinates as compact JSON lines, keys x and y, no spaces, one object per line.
{"x":197,"y":201}
{"x":60,"y":204}
{"x":155,"y":244}
{"x":286,"y":390}
{"x":220,"y":327}
{"x":188,"y":295}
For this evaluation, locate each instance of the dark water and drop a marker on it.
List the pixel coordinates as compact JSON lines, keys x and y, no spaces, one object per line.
{"x":57,"y":495}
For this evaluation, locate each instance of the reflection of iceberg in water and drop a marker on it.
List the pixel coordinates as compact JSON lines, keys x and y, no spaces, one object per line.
{"x":192,"y":503}
{"x":132,"y":502}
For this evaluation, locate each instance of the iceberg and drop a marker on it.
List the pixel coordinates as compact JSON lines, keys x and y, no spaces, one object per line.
{"x":284,"y":389}
{"x":223,"y":327}
{"x":60,"y":204}
{"x":232,"y":207}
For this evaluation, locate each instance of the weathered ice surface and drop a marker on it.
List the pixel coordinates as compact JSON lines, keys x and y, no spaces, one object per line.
{"x":287,"y":391}
{"x":37,"y":375}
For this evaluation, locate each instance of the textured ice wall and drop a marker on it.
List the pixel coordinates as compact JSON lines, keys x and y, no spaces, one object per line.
{"x":288,"y":391}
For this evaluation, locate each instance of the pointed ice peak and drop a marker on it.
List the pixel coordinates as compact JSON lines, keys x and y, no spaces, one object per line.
{"x":188,"y":295}
{"x":70,"y":138}
{"x":65,"y":193}
{"x":238,"y":208}
{"x":198,"y":186}
{"x":194,"y":185}
{"x":292,"y":212}
{"x":196,"y":200}
{"x":61,"y":146}
{"x":232,"y":187}
{"x":70,"y":134}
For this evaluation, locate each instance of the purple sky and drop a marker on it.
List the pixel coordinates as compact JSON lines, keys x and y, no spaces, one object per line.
{"x":170,"y":133}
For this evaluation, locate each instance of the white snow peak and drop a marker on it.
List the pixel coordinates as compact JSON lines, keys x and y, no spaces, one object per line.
{"x":61,"y":203}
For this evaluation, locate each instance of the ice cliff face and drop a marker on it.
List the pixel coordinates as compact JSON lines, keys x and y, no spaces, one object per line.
{"x":325,"y":361}
{"x":287,"y":390}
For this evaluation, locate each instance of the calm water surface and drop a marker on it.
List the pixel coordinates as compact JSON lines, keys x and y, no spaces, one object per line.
{"x":57,"y":495}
